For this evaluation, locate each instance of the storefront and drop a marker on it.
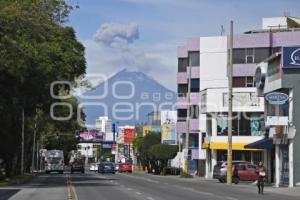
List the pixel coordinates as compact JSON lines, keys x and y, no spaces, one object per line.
{"x":278,"y":81}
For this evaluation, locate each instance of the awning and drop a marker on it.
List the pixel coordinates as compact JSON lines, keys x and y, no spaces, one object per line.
{"x":205,"y":145}
{"x":266,"y":143}
{"x":235,"y":146}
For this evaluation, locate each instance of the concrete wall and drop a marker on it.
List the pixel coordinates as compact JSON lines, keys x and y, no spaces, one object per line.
{"x":213,"y":62}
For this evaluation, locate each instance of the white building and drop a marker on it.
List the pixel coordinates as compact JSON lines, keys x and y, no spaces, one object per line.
{"x":104,"y":124}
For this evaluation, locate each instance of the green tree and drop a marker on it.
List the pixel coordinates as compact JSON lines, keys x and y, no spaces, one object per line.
{"x":142,"y":146}
{"x":161,"y":153}
{"x":36,"y":49}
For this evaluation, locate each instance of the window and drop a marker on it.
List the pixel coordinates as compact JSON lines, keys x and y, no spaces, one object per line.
{"x":250,"y":55}
{"x":276,"y":50}
{"x":182,"y":64}
{"x":261,"y":54}
{"x":194,"y":58}
{"x":247,"y":81}
{"x":195,"y":85}
{"x":181,"y":114}
{"x":238,"y":56}
{"x":250,"y":81}
{"x":194,"y":111}
{"x":243,"y":124}
{"x":182,"y":89}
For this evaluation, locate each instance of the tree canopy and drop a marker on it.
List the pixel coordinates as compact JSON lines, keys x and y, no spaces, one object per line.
{"x":37,"y":48}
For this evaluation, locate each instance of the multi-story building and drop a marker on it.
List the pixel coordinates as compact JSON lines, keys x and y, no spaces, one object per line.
{"x":207,"y":58}
{"x":104,"y":124}
{"x":189,"y":60}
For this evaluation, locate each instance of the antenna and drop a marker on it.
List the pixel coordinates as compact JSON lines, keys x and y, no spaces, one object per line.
{"x":287,"y":13}
{"x":222,"y":30}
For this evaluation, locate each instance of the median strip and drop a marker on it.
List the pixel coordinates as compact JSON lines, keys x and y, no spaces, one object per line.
{"x":71,"y":189}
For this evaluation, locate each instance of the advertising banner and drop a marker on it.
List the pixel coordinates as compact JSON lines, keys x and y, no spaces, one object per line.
{"x":291,"y":57}
{"x":91,"y":136}
{"x":168,"y":127}
{"x":129,"y":135}
{"x":168,"y":134}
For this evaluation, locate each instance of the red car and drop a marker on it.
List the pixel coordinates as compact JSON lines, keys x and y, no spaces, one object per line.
{"x":125,"y":167}
{"x":244,"y":172}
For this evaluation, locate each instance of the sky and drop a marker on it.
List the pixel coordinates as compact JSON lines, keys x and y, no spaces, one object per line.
{"x":143,"y":35}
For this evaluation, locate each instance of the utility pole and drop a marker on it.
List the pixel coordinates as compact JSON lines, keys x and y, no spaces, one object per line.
{"x":187,"y":135}
{"x":34,"y":139}
{"x":22,"y":150}
{"x":230,"y":70}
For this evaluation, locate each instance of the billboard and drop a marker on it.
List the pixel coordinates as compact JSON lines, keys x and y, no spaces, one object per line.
{"x":168,"y":127}
{"x":168,"y":134}
{"x":91,"y":136}
{"x":129,"y":135}
{"x":291,"y":57}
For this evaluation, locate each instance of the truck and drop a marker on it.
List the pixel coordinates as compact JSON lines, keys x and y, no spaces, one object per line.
{"x":54,"y":161}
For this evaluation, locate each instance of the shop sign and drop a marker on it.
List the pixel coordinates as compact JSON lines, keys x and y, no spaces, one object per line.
{"x":291,"y":57}
{"x":277,"y":98}
{"x":277,"y":121}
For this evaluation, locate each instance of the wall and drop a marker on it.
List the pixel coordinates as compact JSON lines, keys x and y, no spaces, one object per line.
{"x":213,"y":62}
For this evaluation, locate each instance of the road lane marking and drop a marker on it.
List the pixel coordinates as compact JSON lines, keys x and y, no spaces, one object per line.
{"x":150,"y":198}
{"x":72,"y":195}
{"x":138,"y":193}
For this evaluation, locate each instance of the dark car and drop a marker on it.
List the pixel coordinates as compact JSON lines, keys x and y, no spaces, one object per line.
{"x":77,"y":166}
{"x":242,"y":171}
{"x":125,"y":167}
{"x":106,"y":167}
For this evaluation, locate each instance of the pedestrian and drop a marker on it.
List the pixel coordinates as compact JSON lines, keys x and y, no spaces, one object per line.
{"x":261,"y":176}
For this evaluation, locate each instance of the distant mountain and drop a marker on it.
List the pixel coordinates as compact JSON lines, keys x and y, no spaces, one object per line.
{"x":127,"y":98}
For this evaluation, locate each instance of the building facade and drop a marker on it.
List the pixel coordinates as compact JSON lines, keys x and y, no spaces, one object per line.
{"x":208,"y":58}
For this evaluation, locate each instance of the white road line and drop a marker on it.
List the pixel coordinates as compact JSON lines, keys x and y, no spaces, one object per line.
{"x":150,"y":198}
{"x":129,"y":189}
{"x":231,"y":198}
{"x":138,"y":193}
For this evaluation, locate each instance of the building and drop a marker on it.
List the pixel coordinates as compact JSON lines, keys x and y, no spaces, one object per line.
{"x":206,"y":58}
{"x":103,"y":124}
{"x":277,"y":80}
{"x":189,"y":58}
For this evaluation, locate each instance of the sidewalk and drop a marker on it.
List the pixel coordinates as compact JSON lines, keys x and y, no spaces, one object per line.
{"x":18,"y":180}
{"x":294,"y":192}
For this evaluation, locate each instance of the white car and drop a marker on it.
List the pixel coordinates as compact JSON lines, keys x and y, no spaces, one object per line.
{"x":94,"y":167}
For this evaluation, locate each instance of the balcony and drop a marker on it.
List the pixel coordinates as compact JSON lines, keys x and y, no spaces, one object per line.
{"x":244,"y":100}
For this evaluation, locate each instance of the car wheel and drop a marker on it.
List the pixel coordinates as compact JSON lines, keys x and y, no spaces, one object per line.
{"x":221,"y":180}
{"x":82,"y":171}
{"x":235,"y":180}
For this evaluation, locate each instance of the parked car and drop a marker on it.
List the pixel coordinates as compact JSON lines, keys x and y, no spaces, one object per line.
{"x":94,"y":167}
{"x":106,"y":167}
{"x":125,"y":167}
{"x":241,"y":171}
{"x":244,"y":172}
{"x":77,"y":166}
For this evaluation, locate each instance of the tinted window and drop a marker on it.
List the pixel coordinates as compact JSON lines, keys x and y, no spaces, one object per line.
{"x":238,"y":56}
{"x":182,"y":89}
{"x":261,"y":54}
{"x":195,"y":85}
{"x":194,"y":58}
{"x":182,"y":64}
{"x":181,"y":114}
{"x":194,"y":111}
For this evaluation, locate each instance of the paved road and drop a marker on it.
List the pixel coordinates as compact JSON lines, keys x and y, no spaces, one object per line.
{"x":133,"y":187}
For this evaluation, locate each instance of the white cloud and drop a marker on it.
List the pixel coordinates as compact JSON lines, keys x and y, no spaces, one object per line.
{"x":109,"y":52}
{"x":117,"y":35}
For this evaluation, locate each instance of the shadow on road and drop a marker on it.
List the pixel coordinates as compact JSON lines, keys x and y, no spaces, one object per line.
{"x":7,"y":193}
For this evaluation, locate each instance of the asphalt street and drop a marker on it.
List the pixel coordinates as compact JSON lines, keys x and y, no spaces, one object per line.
{"x":132,"y":187}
